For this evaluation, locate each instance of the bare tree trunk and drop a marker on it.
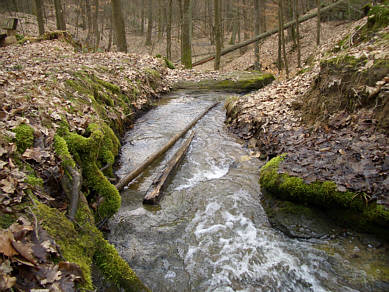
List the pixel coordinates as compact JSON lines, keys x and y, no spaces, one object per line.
{"x":149,"y":22}
{"x":279,"y":57}
{"x":110,"y":34}
{"x":61,"y":25}
{"x":142,"y":25}
{"x":235,"y":23}
{"x":283,"y":37}
{"x":96,"y":25}
{"x":257,"y":19}
{"x":318,"y":23}
{"x":169,"y":30}
{"x":39,"y":15}
{"x":218,"y":36}
{"x":89,"y":21}
{"x":120,"y":30}
{"x":296,"y":15}
{"x":186,"y":40}
{"x":210,"y":22}
{"x":245,"y":25}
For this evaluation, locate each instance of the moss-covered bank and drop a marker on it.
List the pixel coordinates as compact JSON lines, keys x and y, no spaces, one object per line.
{"x":345,"y":207}
{"x":232,"y":82}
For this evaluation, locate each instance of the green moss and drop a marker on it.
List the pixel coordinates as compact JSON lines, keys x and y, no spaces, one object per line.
{"x":115,"y":269}
{"x":169,"y":63}
{"x":75,"y":246}
{"x":112,"y":87}
{"x":61,"y":149}
{"x":6,"y":220}
{"x":86,"y":151}
{"x":24,"y":137}
{"x":323,"y":195}
{"x":34,"y":181}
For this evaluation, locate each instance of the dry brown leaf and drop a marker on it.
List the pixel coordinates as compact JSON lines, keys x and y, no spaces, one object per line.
{"x":6,"y":248}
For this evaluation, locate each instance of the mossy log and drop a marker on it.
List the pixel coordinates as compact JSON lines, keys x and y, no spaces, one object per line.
{"x":154,"y":193}
{"x":133,"y":174}
{"x":238,"y":82}
{"x":347,"y":207}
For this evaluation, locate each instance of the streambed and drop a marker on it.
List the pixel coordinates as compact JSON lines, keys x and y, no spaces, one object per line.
{"x":210,"y":231}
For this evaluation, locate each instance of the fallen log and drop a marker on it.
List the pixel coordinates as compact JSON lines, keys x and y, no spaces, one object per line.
{"x":266,"y":34}
{"x":154,"y":193}
{"x":133,"y":174}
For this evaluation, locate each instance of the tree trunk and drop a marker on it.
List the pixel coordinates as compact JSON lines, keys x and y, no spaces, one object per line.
{"x":154,"y":194}
{"x":169,"y":30}
{"x":296,"y":15}
{"x":149,"y":22}
{"x":257,"y":19}
{"x":218,"y":35}
{"x":96,"y":25}
{"x":142,"y":24}
{"x":61,"y":25}
{"x":318,"y":23}
{"x":89,"y":21}
{"x":39,"y":15}
{"x":266,"y":34}
{"x":120,"y":30}
{"x":133,"y":174}
{"x":279,"y":56}
{"x":283,"y":37}
{"x":186,"y":39}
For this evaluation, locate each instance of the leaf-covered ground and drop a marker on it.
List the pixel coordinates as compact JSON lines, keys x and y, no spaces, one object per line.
{"x":43,"y":84}
{"x":348,"y":146}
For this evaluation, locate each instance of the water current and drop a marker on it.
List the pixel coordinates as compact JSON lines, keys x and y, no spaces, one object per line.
{"x":210,"y":232}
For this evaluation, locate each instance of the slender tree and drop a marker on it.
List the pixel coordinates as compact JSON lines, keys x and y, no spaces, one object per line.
{"x":149,"y":22}
{"x":96,"y":25}
{"x":169,"y":30}
{"x":296,"y":15}
{"x":257,"y":20}
{"x":186,"y":39}
{"x":318,"y":23}
{"x":39,"y":15}
{"x":119,"y":26}
{"x":61,"y":25}
{"x":281,"y":9}
{"x":218,"y":35}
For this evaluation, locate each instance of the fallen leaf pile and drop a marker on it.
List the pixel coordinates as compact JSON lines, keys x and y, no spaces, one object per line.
{"x":349,"y":150}
{"x":26,"y":260}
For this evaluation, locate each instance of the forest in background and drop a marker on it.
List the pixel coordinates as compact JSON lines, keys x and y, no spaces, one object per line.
{"x":182,"y":30}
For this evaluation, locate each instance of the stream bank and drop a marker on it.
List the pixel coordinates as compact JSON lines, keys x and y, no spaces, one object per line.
{"x":326,"y":130}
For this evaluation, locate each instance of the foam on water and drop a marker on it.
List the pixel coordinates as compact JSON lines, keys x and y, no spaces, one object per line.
{"x":242,"y":252}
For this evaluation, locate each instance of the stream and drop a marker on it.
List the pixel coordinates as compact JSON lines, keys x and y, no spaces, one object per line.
{"x":210,"y":231}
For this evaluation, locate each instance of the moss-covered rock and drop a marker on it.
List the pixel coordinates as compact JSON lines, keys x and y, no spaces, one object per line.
{"x":233,"y":82}
{"x":24,"y":137}
{"x":347,"y":207}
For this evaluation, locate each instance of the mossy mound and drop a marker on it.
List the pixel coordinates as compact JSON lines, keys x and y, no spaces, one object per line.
{"x":238,"y":82}
{"x":347,"y":207}
{"x":24,"y":137}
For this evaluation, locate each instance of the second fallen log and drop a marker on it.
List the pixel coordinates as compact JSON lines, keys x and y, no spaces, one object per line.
{"x":154,"y":193}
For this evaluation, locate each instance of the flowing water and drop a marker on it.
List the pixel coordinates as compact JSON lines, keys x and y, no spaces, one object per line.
{"x":210,"y":232}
